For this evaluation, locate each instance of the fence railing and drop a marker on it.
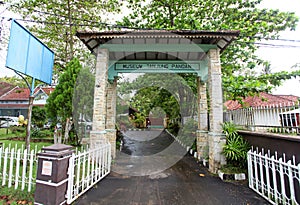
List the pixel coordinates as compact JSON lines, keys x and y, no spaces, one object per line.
{"x":273,"y":118}
{"x":275,"y":179}
{"x":18,"y":167}
{"x":86,"y":169}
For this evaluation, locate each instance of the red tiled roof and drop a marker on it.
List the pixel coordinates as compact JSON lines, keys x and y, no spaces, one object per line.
{"x":5,"y":87}
{"x":264,"y":99}
{"x":17,"y":94}
{"x":23,"y":93}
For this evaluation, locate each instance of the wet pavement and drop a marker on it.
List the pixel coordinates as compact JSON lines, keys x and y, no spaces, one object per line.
{"x":138,"y":177}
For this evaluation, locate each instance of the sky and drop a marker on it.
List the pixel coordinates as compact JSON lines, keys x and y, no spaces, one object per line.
{"x":281,"y":58}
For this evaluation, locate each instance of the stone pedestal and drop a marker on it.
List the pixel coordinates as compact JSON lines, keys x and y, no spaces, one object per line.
{"x":97,"y":138}
{"x":111,"y":136}
{"x":202,"y":145}
{"x":216,"y":157}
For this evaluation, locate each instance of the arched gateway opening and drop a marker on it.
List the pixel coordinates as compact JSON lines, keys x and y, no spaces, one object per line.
{"x":161,"y":51}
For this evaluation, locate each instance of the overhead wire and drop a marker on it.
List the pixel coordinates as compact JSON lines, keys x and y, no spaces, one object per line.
{"x":275,"y":45}
{"x":91,"y":23}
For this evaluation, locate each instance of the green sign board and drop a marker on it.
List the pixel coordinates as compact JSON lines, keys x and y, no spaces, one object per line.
{"x":156,"y":66}
{"x":196,"y":67}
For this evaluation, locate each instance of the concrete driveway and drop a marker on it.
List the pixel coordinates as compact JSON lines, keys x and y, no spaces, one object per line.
{"x":184,"y":183}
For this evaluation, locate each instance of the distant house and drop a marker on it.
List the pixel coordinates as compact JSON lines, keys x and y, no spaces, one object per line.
{"x":5,"y":87}
{"x":264,"y":111}
{"x":14,"y":101}
{"x":263,"y":100}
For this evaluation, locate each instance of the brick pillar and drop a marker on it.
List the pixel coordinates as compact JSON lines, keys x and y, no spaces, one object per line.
{"x":215,"y":137}
{"x":98,"y":133}
{"x":202,"y":132}
{"x":111,"y":115}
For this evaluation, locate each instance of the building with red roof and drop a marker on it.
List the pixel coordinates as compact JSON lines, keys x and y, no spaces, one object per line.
{"x":263,"y":100}
{"x":14,"y":102}
{"x":5,"y":87}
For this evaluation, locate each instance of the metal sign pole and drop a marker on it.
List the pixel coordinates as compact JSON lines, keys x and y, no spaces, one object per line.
{"x":30,"y":105}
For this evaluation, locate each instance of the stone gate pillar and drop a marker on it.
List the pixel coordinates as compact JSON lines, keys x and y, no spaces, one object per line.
{"x":202,"y":131}
{"x":98,"y":133}
{"x":215,"y":137}
{"x":111,"y":115}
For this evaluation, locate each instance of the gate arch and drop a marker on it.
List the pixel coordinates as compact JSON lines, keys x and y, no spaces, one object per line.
{"x":160,"y":51}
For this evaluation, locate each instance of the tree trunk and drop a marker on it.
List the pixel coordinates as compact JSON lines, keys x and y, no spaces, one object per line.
{"x":67,"y":130}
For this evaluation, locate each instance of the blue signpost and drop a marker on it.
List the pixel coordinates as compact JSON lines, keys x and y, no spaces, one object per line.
{"x":29,"y":56}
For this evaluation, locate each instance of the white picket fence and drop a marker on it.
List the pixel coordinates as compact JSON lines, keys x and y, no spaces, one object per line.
{"x":86,"y":169}
{"x":277,"y":180}
{"x":18,"y":167}
{"x":267,"y":117}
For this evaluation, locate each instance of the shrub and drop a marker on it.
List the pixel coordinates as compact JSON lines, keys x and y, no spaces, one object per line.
{"x":236,"y":147}
{"x":173,"y":127}
{"x":38,"y":133}
{"x":18,"y":129}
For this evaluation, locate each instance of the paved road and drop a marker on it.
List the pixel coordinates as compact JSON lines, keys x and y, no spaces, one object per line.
{"x":184,"y":183}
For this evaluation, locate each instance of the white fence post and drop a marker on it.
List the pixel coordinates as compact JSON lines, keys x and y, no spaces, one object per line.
{"x":13,"y":167}
{"x":4,"y":167}
{"x":24,"y":168}
{"x":17,"y":169}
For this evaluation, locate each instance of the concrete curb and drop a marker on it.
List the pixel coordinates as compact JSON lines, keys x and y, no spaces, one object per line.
{"x":188,"y":148}
{"x":223,"y":176}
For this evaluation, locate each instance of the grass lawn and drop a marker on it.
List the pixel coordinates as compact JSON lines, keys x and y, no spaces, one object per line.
{"x":38,"y":145}
{"x":10,"y":195}
{"x":6,"y":133}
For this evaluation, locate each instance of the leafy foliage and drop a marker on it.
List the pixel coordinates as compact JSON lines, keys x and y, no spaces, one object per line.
{"x":59,"y":103}
{"x":38,"y":116}
{"x":38,"y":133}
{"x":237,"y":60}
{"x":170,"y":92}
{"x":253,"y":85}
{"x":139,"y":120}
{"x":187,"y":134}
{"x":83,"y":100}
{"x":236,"y":148}
{"x":56,"y":23}
{"x":14,"y":80}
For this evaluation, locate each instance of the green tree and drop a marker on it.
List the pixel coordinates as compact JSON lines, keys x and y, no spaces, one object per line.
{"x":168,"y":91}
{"x":56,"y":22}
{"x":18,"y":81}
{"x":238,"y":59}
{"x":59,"y":103}
{"x":83,"y":101}
{"x":38,"y":116}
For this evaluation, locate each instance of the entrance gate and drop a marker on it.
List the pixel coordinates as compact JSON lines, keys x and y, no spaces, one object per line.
{"x":161,"y":51}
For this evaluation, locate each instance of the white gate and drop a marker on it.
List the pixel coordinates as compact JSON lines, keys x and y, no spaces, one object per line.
{"x":86,"y":169}
{"x":277,"y":180}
